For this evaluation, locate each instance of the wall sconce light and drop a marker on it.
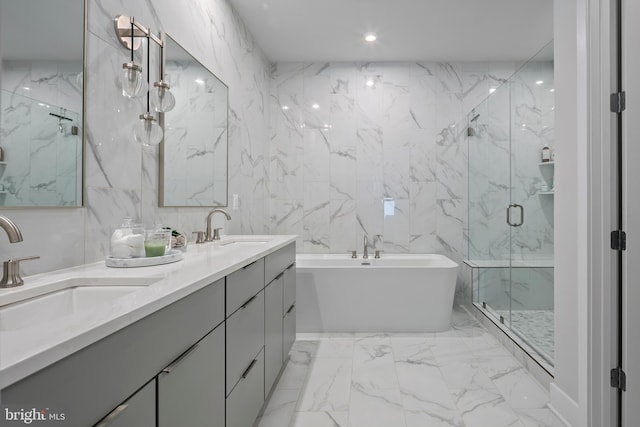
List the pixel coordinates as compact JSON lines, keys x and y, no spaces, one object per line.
{"x":147,"y":131}
{"x":162,"y":99}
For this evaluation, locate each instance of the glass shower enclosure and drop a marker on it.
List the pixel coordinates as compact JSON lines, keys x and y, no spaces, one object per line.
{"x":510,"y":212}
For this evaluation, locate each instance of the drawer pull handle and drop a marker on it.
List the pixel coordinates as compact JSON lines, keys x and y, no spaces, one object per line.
{"x":290,"y":308}
{"x":243,"y":306}
{"x":179,"y":360}
{"x":113,"y":415}
{"x":249,"y":368}
{"x":248,"y":265}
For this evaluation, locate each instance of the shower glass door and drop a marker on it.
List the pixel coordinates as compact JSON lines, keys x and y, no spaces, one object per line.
{"x":511,"y":204}
{"x":489,"y":139}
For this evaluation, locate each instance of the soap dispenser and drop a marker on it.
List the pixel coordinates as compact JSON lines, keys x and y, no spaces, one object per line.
{"x":546,"y":153}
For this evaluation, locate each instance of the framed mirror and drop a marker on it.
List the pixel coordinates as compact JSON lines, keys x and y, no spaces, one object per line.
{"x":193,"y":154}
{"x":41,"y":104}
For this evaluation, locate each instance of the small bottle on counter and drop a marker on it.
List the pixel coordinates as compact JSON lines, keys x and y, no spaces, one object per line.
{"x":546,"y":153}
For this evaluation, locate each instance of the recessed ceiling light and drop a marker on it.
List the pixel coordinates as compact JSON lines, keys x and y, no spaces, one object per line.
{"x":285,"y":107}
{"x":491,"y":90}
{"x":539,"y":82}
{"x":370,"y":83}
{"x":315,"y":106}
{"x":199,"y":81}
{"x":552,"y":90}
{"x":370,"y":37}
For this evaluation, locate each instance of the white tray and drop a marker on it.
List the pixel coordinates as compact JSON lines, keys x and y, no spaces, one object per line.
{"x":172,"y":256}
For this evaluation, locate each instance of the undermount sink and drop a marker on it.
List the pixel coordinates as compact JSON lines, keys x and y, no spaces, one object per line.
{"x":26,"y":307}
{"x":245,"y":240}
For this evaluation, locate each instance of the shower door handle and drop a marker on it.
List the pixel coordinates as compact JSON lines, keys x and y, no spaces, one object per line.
{"x":515,"y":224}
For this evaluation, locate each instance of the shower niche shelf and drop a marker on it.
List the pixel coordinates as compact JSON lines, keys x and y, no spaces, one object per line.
{"x":551,"y":163}
{"x":546,"y":193}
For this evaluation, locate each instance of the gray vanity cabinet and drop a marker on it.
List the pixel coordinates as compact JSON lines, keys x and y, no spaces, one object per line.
{"x":245,"y":338}
{"x":137,"y":411}
{"x":190,"y":390}
{"x":89,"y":384}
{"x":289,"y":309}
{"x":273,"y":343}
{"x":245,"y":402}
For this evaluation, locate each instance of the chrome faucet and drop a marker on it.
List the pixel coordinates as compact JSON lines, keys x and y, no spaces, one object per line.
{"x":11,"y":268}
{"x":366,"y":251}
{"x":209,"y":236}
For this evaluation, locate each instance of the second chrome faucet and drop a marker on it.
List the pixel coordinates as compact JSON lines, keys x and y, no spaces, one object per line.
{"x":209,"y":236}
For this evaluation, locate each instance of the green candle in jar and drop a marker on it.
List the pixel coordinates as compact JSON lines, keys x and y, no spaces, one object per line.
{"x":154,"y":247}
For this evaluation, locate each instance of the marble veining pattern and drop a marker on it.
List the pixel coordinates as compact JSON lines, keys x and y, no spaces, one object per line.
{"x":121,"y":178}
{"x":387,"y":140}
{"x":459,"y":378}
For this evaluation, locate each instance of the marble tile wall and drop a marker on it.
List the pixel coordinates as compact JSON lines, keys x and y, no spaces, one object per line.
{"x":374,"y":149}
{"x":121,"y":178}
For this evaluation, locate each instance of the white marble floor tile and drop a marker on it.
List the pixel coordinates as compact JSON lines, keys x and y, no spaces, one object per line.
{"x":497,"y":366}
{"x":483,"y":408}
{"x":335,"y":347}
{"x":415,"y":418}
{"x":543,"y":417}
{"x":297,"y":367}
{"x":373,"y":364}
{"x":412,"y":349}
{"x":461,"y":374}
{"x":328,"y":386}
{"x":461,"y":378}
{"x":319,"y":419}
{"x":446,"y":347}
{"x":280,"y":408}
{"x":375,"y":408}
{"x":521,"y":391}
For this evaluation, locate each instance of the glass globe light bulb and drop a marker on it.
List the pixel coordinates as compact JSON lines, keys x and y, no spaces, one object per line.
{"x":147,"y":131}
{"x":162,"y":98}
{"x":131,"y":80}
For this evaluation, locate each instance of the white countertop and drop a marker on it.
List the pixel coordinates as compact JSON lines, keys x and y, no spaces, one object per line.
{"x":26,"y":351}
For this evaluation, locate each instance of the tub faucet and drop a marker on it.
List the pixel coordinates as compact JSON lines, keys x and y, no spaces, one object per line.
{"x":209,"y":237}
{"x":366,"y":251}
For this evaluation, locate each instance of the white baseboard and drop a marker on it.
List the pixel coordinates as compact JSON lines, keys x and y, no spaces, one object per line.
{"x":563,"y":406}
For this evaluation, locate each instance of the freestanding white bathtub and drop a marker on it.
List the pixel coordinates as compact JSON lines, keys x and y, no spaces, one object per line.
{"x":396,"y":293}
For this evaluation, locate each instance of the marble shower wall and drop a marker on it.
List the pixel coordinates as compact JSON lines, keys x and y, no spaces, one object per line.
{"x":43,"y":156}
{"x":350,"y":159}
{"x":121,"y":178}
{"x":388,"y":158}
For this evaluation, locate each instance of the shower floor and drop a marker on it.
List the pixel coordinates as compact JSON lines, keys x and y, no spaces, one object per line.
{"x":535,"y":327}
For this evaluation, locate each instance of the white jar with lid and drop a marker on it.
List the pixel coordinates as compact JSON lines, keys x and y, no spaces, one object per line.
{"x":127,"y":240}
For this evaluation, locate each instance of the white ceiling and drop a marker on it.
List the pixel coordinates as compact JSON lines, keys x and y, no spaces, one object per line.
{"x":408,"y":30}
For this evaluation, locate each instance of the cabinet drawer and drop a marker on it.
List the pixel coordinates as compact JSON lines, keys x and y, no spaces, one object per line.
{"x":191,"y":388}
{"x":272,"y":333}
{"x":245,"y":338}
{"x":276,"y":262}
{"x":138,"y":411}
{"x":289,"y":288}
{"x":244,"y":403}
{"x":243,"y":284}
{"x":289,"y":331}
